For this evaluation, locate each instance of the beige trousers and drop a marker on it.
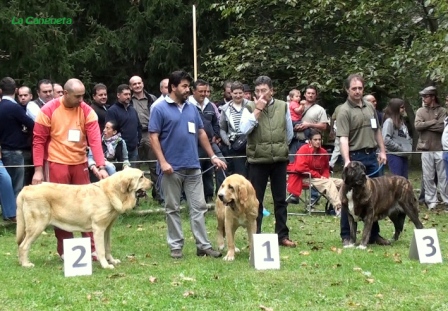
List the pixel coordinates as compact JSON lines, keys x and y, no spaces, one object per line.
{"x":329,"y":187}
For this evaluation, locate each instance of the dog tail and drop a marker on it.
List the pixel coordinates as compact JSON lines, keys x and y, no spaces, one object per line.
{"x":20,"y":231}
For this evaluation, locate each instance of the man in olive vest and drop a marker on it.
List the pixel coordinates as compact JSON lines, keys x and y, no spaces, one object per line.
{"x":268,"y":124}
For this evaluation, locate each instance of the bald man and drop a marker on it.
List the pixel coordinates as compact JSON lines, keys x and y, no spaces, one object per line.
{"x":371,"y":99}
{"x":25,"y":96}
{"x":61,"y":132}
{"x":142,"y":102}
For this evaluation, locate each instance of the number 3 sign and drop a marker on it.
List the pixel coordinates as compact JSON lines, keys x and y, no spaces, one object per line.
{"x":425,"y":246}
{"x":77,"y":257}
{"x":265,"y":252}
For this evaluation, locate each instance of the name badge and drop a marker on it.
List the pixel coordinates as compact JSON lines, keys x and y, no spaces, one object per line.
{"x":191,"y":128}
{"x":74,"y":135}
{"x":373,"y":123}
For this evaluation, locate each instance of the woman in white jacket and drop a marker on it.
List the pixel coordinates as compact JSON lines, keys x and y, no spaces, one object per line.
{"x":396,"y":138}
{"x":230,"y":130}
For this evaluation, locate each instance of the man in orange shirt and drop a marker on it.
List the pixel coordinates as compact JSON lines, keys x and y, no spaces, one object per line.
{"x":62,"y":129}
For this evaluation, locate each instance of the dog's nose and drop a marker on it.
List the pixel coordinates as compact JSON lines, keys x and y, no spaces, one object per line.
{"x":221,"y":196}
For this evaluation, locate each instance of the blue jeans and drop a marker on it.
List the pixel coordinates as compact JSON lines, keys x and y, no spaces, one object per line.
{"x":371,"y":163}
{"x":17,"y":173}
{"x":133,"y":157}
{"x":7,"y":198}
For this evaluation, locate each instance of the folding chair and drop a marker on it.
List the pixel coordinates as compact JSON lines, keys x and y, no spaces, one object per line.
{"x":305,"y":197}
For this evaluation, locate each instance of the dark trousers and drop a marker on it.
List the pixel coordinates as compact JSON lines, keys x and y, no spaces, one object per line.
{"x":207,"y":177}
{"x":236,"y":161}
{"x":398,"y":165}
{"x":258,"y":176}
{"x":371,"y":164}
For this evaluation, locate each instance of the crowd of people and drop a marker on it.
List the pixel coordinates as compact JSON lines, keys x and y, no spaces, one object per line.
{"x":191,"y":143}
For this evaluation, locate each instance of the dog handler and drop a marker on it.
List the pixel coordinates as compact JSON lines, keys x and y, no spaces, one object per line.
{"x":61,"y":131}
{"x":359,"y":135}
{"x":175,"y":130}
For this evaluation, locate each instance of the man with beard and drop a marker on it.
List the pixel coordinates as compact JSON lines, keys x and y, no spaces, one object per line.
{"x":176,"y":129}
{"x":227,"y":93}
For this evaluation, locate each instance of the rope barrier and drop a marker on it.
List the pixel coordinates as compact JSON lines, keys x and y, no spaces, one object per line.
{"x":238,"y":157}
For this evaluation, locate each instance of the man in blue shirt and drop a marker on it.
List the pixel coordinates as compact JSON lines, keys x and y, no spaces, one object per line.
{"x":175,"y":129}
{"x":16,"y":129}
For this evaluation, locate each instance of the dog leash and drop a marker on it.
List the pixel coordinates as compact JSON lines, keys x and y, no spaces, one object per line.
{"x":379,"y":169}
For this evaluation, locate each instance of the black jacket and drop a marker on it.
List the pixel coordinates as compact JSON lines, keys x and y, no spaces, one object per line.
{"x":100,"y":111}
{"x":128,"y":123}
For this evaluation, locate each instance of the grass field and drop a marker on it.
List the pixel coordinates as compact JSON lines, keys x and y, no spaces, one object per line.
{"x":317,"y":275}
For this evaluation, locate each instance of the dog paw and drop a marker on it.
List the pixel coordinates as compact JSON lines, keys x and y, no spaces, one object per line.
{"x":229,"y":258}
{"x":108,"y":266}
{"x":221,"y":247}
{"x":351,"y":245}
{"x":361,"y":247}
{"x":113,"y":261}
{"x":27,"y":264}
{"x":237,"y":250}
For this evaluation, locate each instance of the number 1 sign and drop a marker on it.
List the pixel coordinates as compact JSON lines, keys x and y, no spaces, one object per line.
{"x":265,"y":252}
{"x":77,"y":257}
{"x":425,"y":246}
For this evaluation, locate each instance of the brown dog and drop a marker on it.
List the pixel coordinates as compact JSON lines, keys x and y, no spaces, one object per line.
{"x":373,"y":199}
{"x":93,"y":207}
{"x":236,"y":206}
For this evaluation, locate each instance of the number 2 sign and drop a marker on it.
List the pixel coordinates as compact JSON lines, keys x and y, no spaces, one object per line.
{"x":77,"y":257}
{"x":425,"y":246}
{"x":265,"y":252}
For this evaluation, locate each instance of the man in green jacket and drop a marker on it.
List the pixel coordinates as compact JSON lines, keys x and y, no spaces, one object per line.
{"x":267,"y":123}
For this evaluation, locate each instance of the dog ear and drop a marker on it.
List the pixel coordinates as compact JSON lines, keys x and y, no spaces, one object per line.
{"x":363,"y":166}
{"x":128,"y":184}
{"x":344,"y":173}
{"x":242,"y":193}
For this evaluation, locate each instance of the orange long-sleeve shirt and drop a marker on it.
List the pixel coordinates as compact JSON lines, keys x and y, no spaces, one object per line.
{"x":62,"y":134}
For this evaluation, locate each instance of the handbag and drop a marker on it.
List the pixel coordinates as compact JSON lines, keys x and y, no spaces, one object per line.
{"x":239,"y":143}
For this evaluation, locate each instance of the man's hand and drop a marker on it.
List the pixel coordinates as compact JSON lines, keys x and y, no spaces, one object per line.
{"x":166,"y":168}
{"x":346,"y":163}
{"x":219,"y":163}
{"x":382,"y":159}
{"x":260,"y":103}
{"x":38,"y":177}
{"x":102,"y":174}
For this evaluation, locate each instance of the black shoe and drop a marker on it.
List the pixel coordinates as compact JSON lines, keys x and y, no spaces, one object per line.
{"x":208,"y":252}
{"x":292,"y":200}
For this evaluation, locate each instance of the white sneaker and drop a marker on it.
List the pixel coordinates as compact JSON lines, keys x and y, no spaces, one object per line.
{"x":432,"y":206}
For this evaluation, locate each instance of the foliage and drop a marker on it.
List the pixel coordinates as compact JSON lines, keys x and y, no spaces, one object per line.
{"x":322,"y":41}
{"x":107,"y":42}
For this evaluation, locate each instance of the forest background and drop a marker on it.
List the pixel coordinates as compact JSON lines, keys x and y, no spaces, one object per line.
{"x":398,"y":46}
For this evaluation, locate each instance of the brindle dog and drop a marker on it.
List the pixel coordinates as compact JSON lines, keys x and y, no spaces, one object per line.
{"x":373,"y":199}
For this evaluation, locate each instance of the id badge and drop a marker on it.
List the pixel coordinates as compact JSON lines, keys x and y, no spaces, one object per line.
{"x":74,"y":135}
{"x":373,"y":123}
{"x":191,"y":128}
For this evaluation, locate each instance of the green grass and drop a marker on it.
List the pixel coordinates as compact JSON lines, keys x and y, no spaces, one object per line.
{"x":317,"y":275}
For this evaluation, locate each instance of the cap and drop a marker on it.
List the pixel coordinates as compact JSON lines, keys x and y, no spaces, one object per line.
{"x":430,"y":90}
{"x":246,"y":88}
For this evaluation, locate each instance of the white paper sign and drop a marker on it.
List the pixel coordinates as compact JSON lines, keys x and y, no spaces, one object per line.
{"x":425,"y":246}
{"x":265,"y":252}
{"x":77,"y":257}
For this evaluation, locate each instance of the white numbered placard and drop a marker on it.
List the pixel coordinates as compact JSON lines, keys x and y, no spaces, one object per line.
{"x":425,"y":246}
{"x":265,"y":252}
{"x":77,"y":257}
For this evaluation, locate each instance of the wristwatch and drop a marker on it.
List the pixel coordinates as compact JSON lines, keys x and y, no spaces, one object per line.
{"x":213,"y":157}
